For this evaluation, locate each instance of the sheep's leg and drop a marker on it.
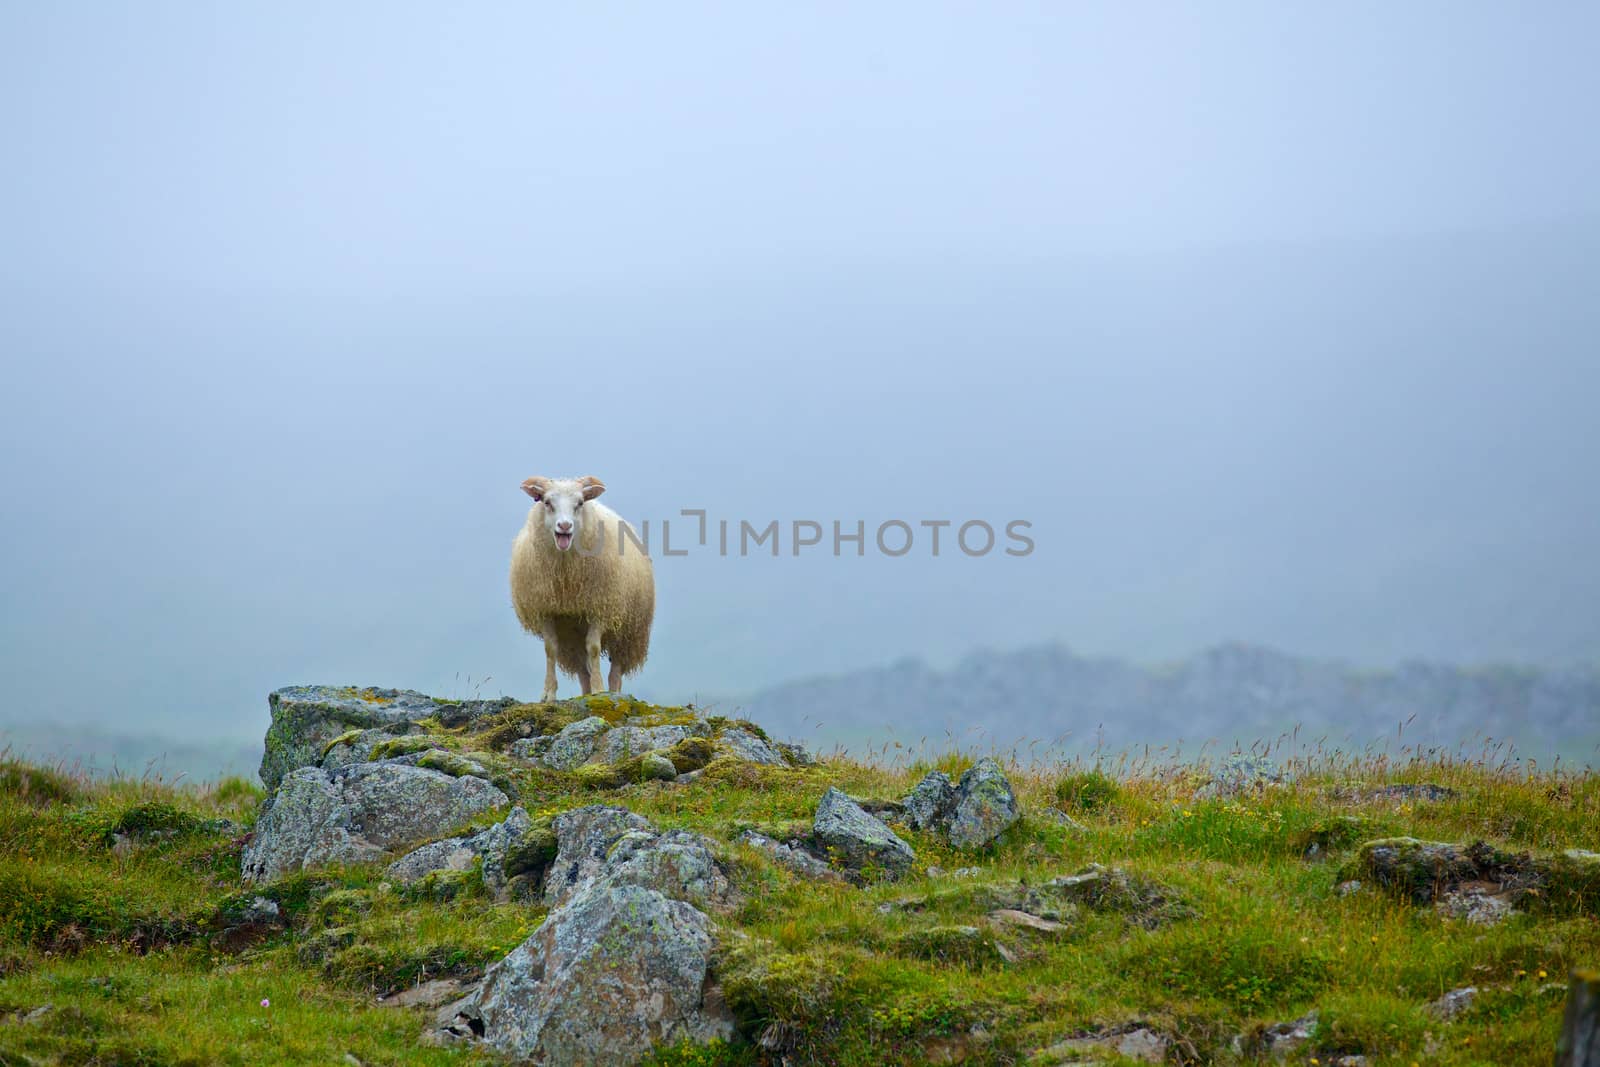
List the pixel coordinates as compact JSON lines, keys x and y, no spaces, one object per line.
{"x":591,"y":646}
{"x":615,"y":681}
{"x":548,"y":632}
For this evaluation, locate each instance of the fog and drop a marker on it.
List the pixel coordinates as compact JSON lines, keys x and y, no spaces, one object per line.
{"x":1277,"y":325}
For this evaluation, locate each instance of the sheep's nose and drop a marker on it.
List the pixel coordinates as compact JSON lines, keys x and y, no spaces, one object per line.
{"x":563,"y":527}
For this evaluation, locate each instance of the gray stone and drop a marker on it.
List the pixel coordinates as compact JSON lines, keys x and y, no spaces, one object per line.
{"x":623,"y":741}
{"x":928,"y":804}
{"x":358,"y":749}
{"x":677,"y":864}
{"x":792,"y":856}
{"x":857,"y":837}
{"x":1475,"y":905}
{"x":1453,"y":1003}
{"x":747,"y":746}
{"x":1139,"y":1043}
{"x":609,"y":975}
{"x":306,"y":717}
{"x":530,"y":748}
{"x":984,"y":806}
{"x":1281,"y":1040}
{"x":1239,"y":774}
{"x":460,"y":853}
{"x":656,"y":767}
{"x":797,"y":754}
{"x":575,"y":744}
{"x":583,"y":842}
{"x":358,"y":814}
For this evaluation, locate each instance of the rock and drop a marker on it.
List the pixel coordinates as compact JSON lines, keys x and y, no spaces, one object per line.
{"x":1453,"y":1003}
{"x":306,"y":717}
{"x":358,"y":814}
{"x":530,"y":748}
{"x":859,"y":839}
{"x":575,"y":744}
{"x":614,"y":845}
{"x":583,"y":841}
{"x":747,"y":746}
{"x":624,"y":741}
{"x":247,"y":922}
{"x":1405,"y":792}
{"x":1109,"y":889}
{"x":1138,"y":1043}
{"x":797,"y":754}
{"x":1280,"y":1040}
{"x":792,"y":856}
{"x":613,"y":972}
{"x":500,"y":847}
{"x":1012,"y":917}
{"x":1425,"y":871}
{"x":356,"y":746}
{"x":930,"y":800}
{"x":1239,"y":774}
{"x":656,"y":767}
{"x":1344,"y":889}
{"x":1478,"y":905}
{"x":427,"y":994}
{"x":984,"y":806}
{"x":677,"y":864}
{"x":1061,"y":818}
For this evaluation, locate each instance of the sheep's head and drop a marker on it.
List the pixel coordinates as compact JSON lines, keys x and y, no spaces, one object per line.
{"x":558,"y":503}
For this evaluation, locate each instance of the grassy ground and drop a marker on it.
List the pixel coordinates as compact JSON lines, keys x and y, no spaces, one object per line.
{"x":111,"y":895}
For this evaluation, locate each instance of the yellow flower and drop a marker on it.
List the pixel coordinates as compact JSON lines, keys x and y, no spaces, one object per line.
{"x":1542,"y":974}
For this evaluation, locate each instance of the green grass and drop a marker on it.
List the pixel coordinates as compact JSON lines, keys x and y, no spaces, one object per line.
{"x":111,"y":895}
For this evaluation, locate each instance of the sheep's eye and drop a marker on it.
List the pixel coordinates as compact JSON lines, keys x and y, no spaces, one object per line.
{"x":538,"y":500}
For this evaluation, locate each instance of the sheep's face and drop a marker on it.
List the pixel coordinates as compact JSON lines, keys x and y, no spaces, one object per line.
{"x":558,"y":505}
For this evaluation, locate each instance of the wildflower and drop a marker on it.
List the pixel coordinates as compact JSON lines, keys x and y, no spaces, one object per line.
{"x":1521,"y":973}
{"x":1542,"y":974}
{"x":265,"y":1003}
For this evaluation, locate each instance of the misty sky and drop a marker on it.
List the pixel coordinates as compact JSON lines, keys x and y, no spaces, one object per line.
{"x":1278,"y":324}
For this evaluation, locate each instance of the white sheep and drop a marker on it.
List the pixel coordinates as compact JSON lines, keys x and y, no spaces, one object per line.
{"x":601,"y":598}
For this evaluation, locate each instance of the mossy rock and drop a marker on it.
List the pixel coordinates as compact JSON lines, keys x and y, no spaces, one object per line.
{"x":763,"y":983}
{"x":967,"y":946}
{"x":1422,"y":871}
{"x":532,"y":853}
{"x":454,"y":764}
{"x":497,"y":731}
{"x":719,"y":723}
{"x":325,"y":944}
{"x":1573,"y":882}
{"x":407,"y":745}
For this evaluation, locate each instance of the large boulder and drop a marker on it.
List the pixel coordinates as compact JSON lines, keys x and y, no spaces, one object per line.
{"x":983,"y":807}
{"x":860,"y":840}
{"x":575,"y":745}
{"x":612,"y":973}
{"x":306,"y":717}
{"x":502,"y":849}
{"x":359,"y":813}
{"x":613,"y":844}
{"x":583,"y":842}
{"x":968,"y":814}
{"x":621,"y":742}
{"x":747,"y":746}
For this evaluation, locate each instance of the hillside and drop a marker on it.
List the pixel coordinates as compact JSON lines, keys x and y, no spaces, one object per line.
{"x":603,"y":880}
{"x":1234,"y":693}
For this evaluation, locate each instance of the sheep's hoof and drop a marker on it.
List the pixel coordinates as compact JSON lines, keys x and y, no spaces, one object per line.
{"x":549,"y":696}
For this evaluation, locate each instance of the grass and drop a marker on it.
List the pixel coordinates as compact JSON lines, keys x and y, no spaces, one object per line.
{"x":112,"y":894}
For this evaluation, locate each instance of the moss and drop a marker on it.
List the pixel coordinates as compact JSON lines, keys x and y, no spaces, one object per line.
{"x":405,"y":746}
{"x":452,"y":763}
{"x":1572,"y":882}
{"x":343,"y":739}
{"x":533,"y":852}
{"x":600,"y":776}
{"x":341,"y":906}
{"x":35,"y":785}
{"x":495,"y":732}
{"x":691,"y":754}
{"x":1338,"y":834}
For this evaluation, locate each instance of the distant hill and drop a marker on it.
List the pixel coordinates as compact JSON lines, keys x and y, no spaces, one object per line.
{"x":1234,"y":692}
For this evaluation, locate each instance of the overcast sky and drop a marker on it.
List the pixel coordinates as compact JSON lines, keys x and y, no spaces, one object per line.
{"x":1277,"y":323}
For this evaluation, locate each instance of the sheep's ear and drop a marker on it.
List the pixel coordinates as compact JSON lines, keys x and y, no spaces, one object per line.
{"x":592,"y":486}
{"x":536,"y":487}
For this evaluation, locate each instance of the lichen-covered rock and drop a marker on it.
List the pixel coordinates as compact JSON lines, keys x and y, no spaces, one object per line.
{"x":928,"y":804}
{"x":575,"y":744}
{"x":653,"y":766}
{"x":792,"y":856}
{"x":306,"y":717}
{"x":860,"y":840}
{"x":584,"y":838}
{"x":678,"y":864}
{"x":1135,"y":1042}
{"x":531,"y":748}
{"x":1110,"y":889}
{"x":747,"y":746}
{"x":1475,"y":904}
{"x":1424,"y":871}
{"x":356,"y":746}
{"x":984,"y":806}
{"x":1453,"y":1003}
{"x":1241,"y":773}
{"x":612,"y":973}
{"x":492,"y":846}
{"x":357,"y":814}
{"x":621,"y":742}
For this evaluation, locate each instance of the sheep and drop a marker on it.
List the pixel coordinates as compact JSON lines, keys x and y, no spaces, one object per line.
{"x":601,"y":598}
